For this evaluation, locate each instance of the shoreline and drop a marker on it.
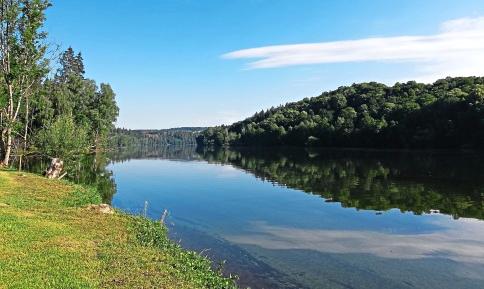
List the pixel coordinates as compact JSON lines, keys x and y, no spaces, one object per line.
{"x":51,"y":238}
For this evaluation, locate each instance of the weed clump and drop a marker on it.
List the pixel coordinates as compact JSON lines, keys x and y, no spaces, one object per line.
{"x":187,"y":264}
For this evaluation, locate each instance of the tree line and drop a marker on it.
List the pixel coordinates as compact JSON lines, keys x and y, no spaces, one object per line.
{"x":47,"y":104}
{"x":446,"y":114}
{"x":154,"y":139}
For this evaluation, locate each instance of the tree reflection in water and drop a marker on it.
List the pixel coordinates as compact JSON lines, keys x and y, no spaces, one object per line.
{"x":419,"y":182}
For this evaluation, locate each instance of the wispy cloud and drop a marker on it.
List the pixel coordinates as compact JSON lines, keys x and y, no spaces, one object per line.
{"x":464,"y":243}
{"x":458,"y":49}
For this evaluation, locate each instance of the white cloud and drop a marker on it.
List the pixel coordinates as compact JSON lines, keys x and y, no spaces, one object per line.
{"x":458,"y":49}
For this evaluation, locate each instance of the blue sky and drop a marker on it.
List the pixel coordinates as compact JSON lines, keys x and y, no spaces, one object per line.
{"x":185,"y":62}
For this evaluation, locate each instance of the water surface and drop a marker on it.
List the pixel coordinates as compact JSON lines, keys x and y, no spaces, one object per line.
{"x":295,"y":218}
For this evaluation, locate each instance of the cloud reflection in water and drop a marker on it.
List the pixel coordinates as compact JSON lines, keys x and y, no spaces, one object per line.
{"x":462,"y":243}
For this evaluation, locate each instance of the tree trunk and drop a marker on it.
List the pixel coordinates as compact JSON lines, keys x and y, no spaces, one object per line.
{"x":55,"y":169}
{"x":26,"y":132}
{"x":11,"y":117}
{"x":8,"y":148}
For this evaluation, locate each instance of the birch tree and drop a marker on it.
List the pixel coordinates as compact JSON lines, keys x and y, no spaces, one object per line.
{"x":22,"y":66}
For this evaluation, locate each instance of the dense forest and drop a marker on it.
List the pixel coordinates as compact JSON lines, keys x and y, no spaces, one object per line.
{"x":121,"y":138}
{"x":47,"y":105}
{"x":446,"y":114}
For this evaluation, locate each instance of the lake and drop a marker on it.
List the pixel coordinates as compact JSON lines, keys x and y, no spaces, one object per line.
{"x":297,"y":218}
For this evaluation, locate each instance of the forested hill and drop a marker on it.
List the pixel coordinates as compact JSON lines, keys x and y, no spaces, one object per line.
{"x":446,"y":114}
{"x":151,"y":139}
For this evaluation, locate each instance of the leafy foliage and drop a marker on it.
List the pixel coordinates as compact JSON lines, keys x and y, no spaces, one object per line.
{"x":71,"y":98}
{"x":63,"y":138}
{"x":38,"y":104}
{"x":22,"y":66}
{"x":446,"y":114}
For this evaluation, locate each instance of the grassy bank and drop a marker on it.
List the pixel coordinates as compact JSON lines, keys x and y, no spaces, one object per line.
{"x":49,"y":239}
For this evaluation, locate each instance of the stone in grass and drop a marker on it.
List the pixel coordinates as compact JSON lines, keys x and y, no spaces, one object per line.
{"x":102,"y":208}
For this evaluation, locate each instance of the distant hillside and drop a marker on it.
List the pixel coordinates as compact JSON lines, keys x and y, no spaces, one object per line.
{"x":152,"y":139}
{"x":446,"y":114}
{"x":193,"y":129}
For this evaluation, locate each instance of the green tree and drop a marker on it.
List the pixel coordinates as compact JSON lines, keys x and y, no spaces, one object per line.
{"x":104,"y":113}
{"x":63,"y":139}
{"x":22,"y":64}
{"x":71,"y":65}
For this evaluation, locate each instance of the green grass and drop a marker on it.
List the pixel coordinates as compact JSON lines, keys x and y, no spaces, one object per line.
{"x":49,"y":240}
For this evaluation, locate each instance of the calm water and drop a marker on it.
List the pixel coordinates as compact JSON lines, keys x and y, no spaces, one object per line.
{"x":294,"y":218}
